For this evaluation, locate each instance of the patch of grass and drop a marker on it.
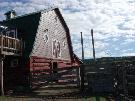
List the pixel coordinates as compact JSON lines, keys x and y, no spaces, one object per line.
{"x":4,"y":98}
{"x":94,"y":99}
{"x":102,"y":99}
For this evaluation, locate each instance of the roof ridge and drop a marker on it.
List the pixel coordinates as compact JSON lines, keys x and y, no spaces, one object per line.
{"x":47,"y":9}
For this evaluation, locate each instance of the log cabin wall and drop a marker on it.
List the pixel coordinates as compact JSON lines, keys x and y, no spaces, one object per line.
{"x":40,"y":63}
{"x":41,"y":69}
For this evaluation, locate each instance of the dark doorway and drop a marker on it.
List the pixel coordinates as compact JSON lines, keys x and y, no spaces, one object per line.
{"x":9,"y":74}
{"x":13,"y":73}
{"x":55,"y":71}
{"x":54,"y":67}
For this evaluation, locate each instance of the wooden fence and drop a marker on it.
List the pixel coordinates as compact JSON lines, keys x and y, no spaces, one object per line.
{"x":99,"y":77}
{"x":119,"y":76}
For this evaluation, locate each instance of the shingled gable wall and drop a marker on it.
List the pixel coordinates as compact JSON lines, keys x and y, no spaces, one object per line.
{"x":51,"y":38}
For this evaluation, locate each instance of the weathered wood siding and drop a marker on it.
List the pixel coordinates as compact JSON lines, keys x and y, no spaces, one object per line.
{"x":42,"y":72}
{"x":51,"y":38}
{"x":40,"y":63}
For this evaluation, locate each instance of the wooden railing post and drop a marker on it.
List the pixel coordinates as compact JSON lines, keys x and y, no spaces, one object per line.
{"x":21,"y":46}
{"x":15,"y":46}
{"x":7,"y":42}
{"x":1,"y":44}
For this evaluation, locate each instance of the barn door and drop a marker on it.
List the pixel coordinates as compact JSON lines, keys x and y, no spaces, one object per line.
{"x":54,"y":71}
{"x":54,"y":67}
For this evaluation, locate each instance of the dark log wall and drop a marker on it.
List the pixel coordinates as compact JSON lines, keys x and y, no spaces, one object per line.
{"x":51,"y":40}
{"x":40,"y":63}
{"x":41,"y":69}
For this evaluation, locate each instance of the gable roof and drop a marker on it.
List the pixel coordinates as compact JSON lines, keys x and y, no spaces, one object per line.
{"x":77,"y":59}
{"x":68,"y":34}
{"x":33,"y":13}
{"x":27,"y":26}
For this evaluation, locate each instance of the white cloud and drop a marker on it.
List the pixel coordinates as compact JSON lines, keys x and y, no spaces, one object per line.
{"x":126,"y":50}
{"x":128,"y":54}
{"x":111,"y":20}
{"x":117,"y":49}
{"x":128,"y":41}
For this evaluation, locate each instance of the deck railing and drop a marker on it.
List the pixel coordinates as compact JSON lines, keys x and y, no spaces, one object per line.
{"x":10,"y":46}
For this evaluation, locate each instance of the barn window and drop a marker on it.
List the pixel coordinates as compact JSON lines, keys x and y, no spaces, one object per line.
{"x":12,"y":32}
{"x":14,"y":63}
{"x":45,"y":36}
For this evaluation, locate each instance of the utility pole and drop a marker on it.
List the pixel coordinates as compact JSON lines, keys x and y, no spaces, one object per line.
{"x":82,"y":47}
{"x":82,"y":66}
{"x":93,"y":46}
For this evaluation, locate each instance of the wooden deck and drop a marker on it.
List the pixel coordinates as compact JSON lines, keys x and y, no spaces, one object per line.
{"x":10,"y":46}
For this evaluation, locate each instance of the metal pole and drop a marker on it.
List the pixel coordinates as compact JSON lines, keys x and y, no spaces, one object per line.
{"x":93,"y":46}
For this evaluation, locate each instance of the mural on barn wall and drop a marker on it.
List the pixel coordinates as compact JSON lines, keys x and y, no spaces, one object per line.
{"x":51,"y":41}
{"x":56,"y":49}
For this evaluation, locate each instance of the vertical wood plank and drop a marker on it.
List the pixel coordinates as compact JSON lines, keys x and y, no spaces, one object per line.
{"x":82,"y":47}
{"x":15,"y":46}
{"x":82,"y":66}
{"x":1,"y":75}
{"x":1,"y":44}
{"x":93,"y":46}
{"x":78,"y":77}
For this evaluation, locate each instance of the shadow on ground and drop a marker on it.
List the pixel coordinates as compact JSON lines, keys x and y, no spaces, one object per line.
{"x":63,"y":94}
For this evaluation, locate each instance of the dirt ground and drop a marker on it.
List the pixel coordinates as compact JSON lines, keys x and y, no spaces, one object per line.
{"x":50,"y":99}
{"x":56,"y":93}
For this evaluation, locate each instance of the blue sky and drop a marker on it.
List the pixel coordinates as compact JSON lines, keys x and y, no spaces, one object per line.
{"x":113,"y":22}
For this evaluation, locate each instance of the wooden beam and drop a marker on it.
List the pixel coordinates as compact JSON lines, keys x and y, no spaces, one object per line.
{"x":1,"y":44}
{"x":82,"y":67}
{"x":1,"y":75}
{"x":82,"y":47}
{"x":93,"y":46}
{"x":82,"y":77}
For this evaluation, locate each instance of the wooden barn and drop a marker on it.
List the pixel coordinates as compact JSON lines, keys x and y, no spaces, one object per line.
{"x":39,"y":52}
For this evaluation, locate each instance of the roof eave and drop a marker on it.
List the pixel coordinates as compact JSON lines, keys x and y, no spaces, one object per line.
{"x":45,"y":10}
